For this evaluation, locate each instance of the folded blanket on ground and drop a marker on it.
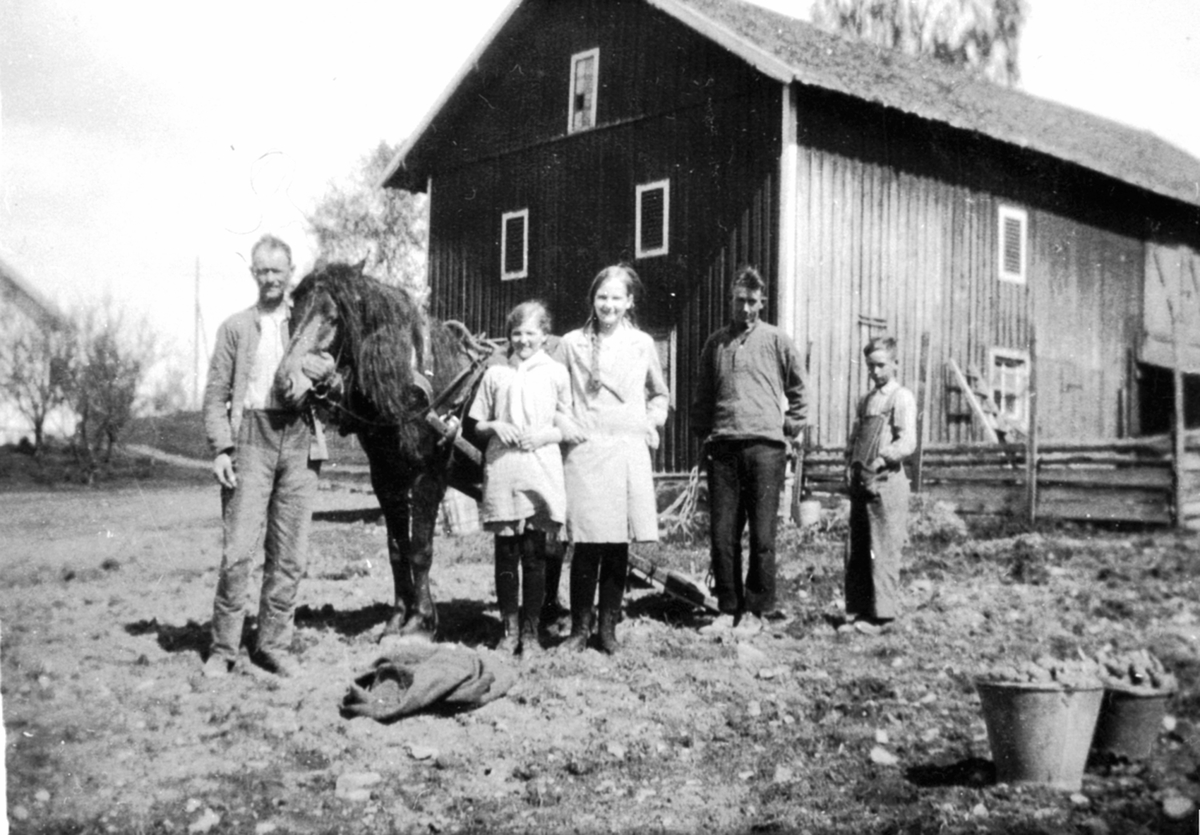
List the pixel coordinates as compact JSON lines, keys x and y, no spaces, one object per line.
{"x":422,"y":676}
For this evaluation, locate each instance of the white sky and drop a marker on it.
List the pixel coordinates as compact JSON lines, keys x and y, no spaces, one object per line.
{"x":140,"y":138}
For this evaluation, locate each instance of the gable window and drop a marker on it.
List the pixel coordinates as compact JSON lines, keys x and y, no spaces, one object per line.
{"x":653,"y":218}
{"x":514,"y":245}
{"x":585,"y":72}
{"x":1013,"y":237}
{"x":1010,"y":385}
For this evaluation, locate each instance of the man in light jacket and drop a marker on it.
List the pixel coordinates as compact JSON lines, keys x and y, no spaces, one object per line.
{"x":267,"y":461}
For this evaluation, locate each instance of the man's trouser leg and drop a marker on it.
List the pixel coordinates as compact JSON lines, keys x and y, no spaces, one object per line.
{"x":725,"y":525}
{"x":889,"y":521}
{"x":243,"y":517}
{"x":289,"y":518}
{"x":763,"y":468}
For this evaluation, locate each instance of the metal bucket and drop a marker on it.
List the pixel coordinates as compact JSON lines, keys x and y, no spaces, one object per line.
{"x":460,"y":514}
{"x":1129,"y":722}
{"x":810,"y":513}
{"x":1039,"y":733}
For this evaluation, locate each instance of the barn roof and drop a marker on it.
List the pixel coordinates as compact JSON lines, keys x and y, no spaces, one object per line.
{"x":791,"y":50}
{"x":21,"y":294}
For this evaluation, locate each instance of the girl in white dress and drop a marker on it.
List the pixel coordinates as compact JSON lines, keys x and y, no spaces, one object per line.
{"x":523,"y":495}
{"x":620,"y":404}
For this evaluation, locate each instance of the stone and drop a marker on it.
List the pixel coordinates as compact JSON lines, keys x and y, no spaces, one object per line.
{"x":356,"y":787}
{"x":881,"y":756}
{"x":1178,"y":807}
{"x":750,"y":656}
{"x":205,"y":822}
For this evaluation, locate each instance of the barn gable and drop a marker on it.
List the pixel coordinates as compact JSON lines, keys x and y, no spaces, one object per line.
{"x":787,"y":50}
{"x":875,"y":191}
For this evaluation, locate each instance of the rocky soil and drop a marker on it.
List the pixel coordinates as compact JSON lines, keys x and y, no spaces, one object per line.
{"x":110,"y":728}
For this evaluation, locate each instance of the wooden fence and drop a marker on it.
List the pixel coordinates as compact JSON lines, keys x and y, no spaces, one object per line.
{"x":1137,"y":480}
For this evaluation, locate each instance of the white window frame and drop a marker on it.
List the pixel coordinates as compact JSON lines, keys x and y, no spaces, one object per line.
{"x":1005,"y":214}
{"x":665,"y":186}
{"x":507,"y":275}
{"x":593,"y":54}
{"x":997,"y":382}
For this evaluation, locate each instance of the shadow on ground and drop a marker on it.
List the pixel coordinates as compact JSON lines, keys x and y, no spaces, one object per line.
{"x":191,"y":637}
{"x":369,"y":515}
{"x":973,"y":772}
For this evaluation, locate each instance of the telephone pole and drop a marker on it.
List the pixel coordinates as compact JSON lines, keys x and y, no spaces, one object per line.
{"x":196,"y":360}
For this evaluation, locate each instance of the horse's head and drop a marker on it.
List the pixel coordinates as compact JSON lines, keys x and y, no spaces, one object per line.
{"x":315,"y":330}
{"x":375,"y":331}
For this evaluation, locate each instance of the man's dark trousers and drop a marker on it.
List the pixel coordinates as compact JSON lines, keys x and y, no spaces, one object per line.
{"x":744,"y":480}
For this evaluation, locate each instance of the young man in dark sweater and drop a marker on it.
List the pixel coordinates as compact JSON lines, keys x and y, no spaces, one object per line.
{"x":749,"y":406}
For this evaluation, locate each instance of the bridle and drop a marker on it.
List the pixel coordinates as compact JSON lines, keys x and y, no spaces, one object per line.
{"x":477,"y":347}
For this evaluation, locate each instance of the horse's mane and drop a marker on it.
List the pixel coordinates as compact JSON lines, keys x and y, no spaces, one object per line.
{"x":382,"y":329}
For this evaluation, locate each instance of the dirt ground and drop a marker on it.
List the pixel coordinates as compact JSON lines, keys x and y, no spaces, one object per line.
{"x":106,"y":601}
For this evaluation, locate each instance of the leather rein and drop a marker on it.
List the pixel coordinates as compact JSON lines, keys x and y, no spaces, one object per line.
{"x":476,"y":346}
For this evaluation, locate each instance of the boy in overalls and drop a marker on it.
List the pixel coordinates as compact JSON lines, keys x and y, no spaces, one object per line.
{"x":885,"y":433}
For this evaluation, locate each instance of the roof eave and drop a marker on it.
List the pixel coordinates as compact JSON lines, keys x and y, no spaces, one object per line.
{"x":36,"y":305}
{"x":759,"y":58}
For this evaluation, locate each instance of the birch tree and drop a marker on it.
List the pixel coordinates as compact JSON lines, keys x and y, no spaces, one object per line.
{"x":357,"y":219}
{"x":978,"y":35}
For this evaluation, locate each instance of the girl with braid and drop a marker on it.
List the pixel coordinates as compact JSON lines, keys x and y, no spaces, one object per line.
{"x":619,"y":405}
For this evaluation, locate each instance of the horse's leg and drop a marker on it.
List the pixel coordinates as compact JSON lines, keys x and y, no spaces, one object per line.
{"x":390,"y":482}
{"x":396,"y":511}
{"x":427,"y":494}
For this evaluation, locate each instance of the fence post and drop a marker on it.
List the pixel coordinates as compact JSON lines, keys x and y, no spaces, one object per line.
{"x":922,"y":387}
{"x":1031,"y":436}
{"x":1178,"y":432}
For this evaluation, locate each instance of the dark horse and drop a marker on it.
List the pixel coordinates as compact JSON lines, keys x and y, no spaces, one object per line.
{"x":395,"y":365}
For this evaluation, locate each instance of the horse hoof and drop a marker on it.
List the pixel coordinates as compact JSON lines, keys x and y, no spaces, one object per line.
{"x":417,"y":628}
{"x":394,"y":626}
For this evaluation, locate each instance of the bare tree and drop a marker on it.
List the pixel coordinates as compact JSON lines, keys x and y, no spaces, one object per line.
{"x":168,"y":393}
{"x":35,"y":359}
{"x":111,"y":359}
{"x":359,"y":220}
{"x":982,"y":35}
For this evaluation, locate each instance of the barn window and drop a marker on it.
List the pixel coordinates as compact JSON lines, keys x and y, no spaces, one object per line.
{"x":1014,"y":224}
{"x":585,"y":71}
{"x":514,"y":245}
{"x":653,"y":218}
{"x":1010,"y":385}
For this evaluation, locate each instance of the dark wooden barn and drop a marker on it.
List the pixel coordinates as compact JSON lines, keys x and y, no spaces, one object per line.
{"x":874,"y":191}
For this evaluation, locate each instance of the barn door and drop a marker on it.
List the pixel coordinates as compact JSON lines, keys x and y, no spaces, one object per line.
{"x":1172,"y":288}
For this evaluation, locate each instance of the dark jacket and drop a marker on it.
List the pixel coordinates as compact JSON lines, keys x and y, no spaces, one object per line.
{"x":744,"y":377}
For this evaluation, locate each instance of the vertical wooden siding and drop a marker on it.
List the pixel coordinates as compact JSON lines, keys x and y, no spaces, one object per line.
{"x":1088,"y":290}
{"x":580,"y":195}
{"x":920,"y":254}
